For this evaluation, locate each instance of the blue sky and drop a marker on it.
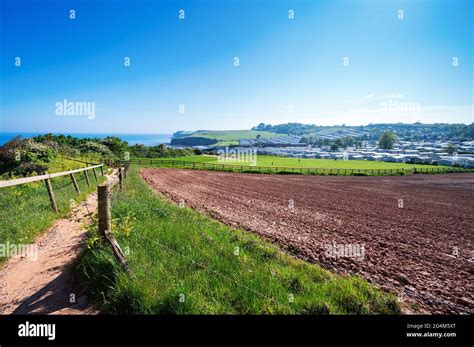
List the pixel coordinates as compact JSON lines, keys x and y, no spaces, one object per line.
{"x":291,"y":70}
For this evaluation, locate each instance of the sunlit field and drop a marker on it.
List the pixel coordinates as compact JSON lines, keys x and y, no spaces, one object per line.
{"x":274,"y":161}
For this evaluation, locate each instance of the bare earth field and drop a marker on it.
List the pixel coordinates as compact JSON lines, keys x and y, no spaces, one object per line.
{"x":421,"y":250}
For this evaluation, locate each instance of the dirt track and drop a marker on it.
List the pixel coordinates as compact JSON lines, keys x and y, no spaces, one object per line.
{"x":421,"y":251}
{"x":43,"y":284}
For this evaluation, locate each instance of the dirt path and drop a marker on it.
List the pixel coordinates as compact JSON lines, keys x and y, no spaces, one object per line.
{"x":416,"y":231}
{"x":44,"y":284}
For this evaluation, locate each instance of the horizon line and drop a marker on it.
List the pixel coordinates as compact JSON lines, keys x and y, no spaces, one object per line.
{"x":196,"y":130}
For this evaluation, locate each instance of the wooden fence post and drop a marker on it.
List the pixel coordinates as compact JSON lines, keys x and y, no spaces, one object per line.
{"x":121,"y":178}
{"x":87,"y":179}
{"x":74,"y":182}
{"x":95,"y":175}
{"x":104,"y":208}
{"x":105,"y":225}
{"x":51,"y":195}
{"x":102,"y":170}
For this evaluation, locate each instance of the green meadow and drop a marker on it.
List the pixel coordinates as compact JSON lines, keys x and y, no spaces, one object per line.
{"x":269,"y":161}
{"x":228,"y":135}
{"x":232,"y":137}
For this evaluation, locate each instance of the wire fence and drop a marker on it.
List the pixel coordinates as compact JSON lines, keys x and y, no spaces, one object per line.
{"x":182,"y":164}
{"x":47,"y":179}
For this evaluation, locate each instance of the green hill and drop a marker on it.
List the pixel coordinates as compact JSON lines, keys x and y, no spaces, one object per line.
{"x":223,"y":137}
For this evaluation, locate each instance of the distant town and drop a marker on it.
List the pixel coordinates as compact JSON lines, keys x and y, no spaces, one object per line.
{"x":416,"y":152}
{"x":438,"y":144}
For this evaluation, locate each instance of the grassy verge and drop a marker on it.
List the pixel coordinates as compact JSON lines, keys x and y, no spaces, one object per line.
{"x":305,"y":163}
{"x":293,"y":166}
{"x":233,"y":135}
{"x":184,"y":262}
{"x":25,"y":210}
{"x":268,"y":160}
{"x":230,"y":137}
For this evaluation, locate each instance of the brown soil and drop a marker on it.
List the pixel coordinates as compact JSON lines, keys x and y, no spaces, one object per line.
{"x":422,"y":251}
{"x":44,"y":284}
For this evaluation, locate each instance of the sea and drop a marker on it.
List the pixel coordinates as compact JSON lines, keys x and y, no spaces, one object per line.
{"x":132,"y":139}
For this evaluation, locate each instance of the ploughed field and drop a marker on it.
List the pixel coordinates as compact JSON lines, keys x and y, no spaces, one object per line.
{"x":411,"y":235}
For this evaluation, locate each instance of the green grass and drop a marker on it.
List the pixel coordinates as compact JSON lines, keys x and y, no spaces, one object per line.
{"x":233,"y":135}
{"x":227,"y":143}
{"x":176,"y":252}
{"x":190,"y":158}
{"x":25,"y":210}
{"x":60,"y":164}
{"x":266,"y":160}
{"x":57,"y":164}
{"x":269,"y":161}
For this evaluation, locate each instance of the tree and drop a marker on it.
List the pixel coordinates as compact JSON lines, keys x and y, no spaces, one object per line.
{"x":451,"y":149}
{"x":387,"y":139}
{"x":161,"y":150}
{"x":116,"y":145}
{"x":334,"y":147}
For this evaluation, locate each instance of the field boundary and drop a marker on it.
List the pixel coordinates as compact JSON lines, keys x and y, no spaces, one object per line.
{"x":19,"y":181}
{"x":47,"y":179}
{"x":105,"y":215}
{"x":42,"y":281}
{"x":181,"y":164}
